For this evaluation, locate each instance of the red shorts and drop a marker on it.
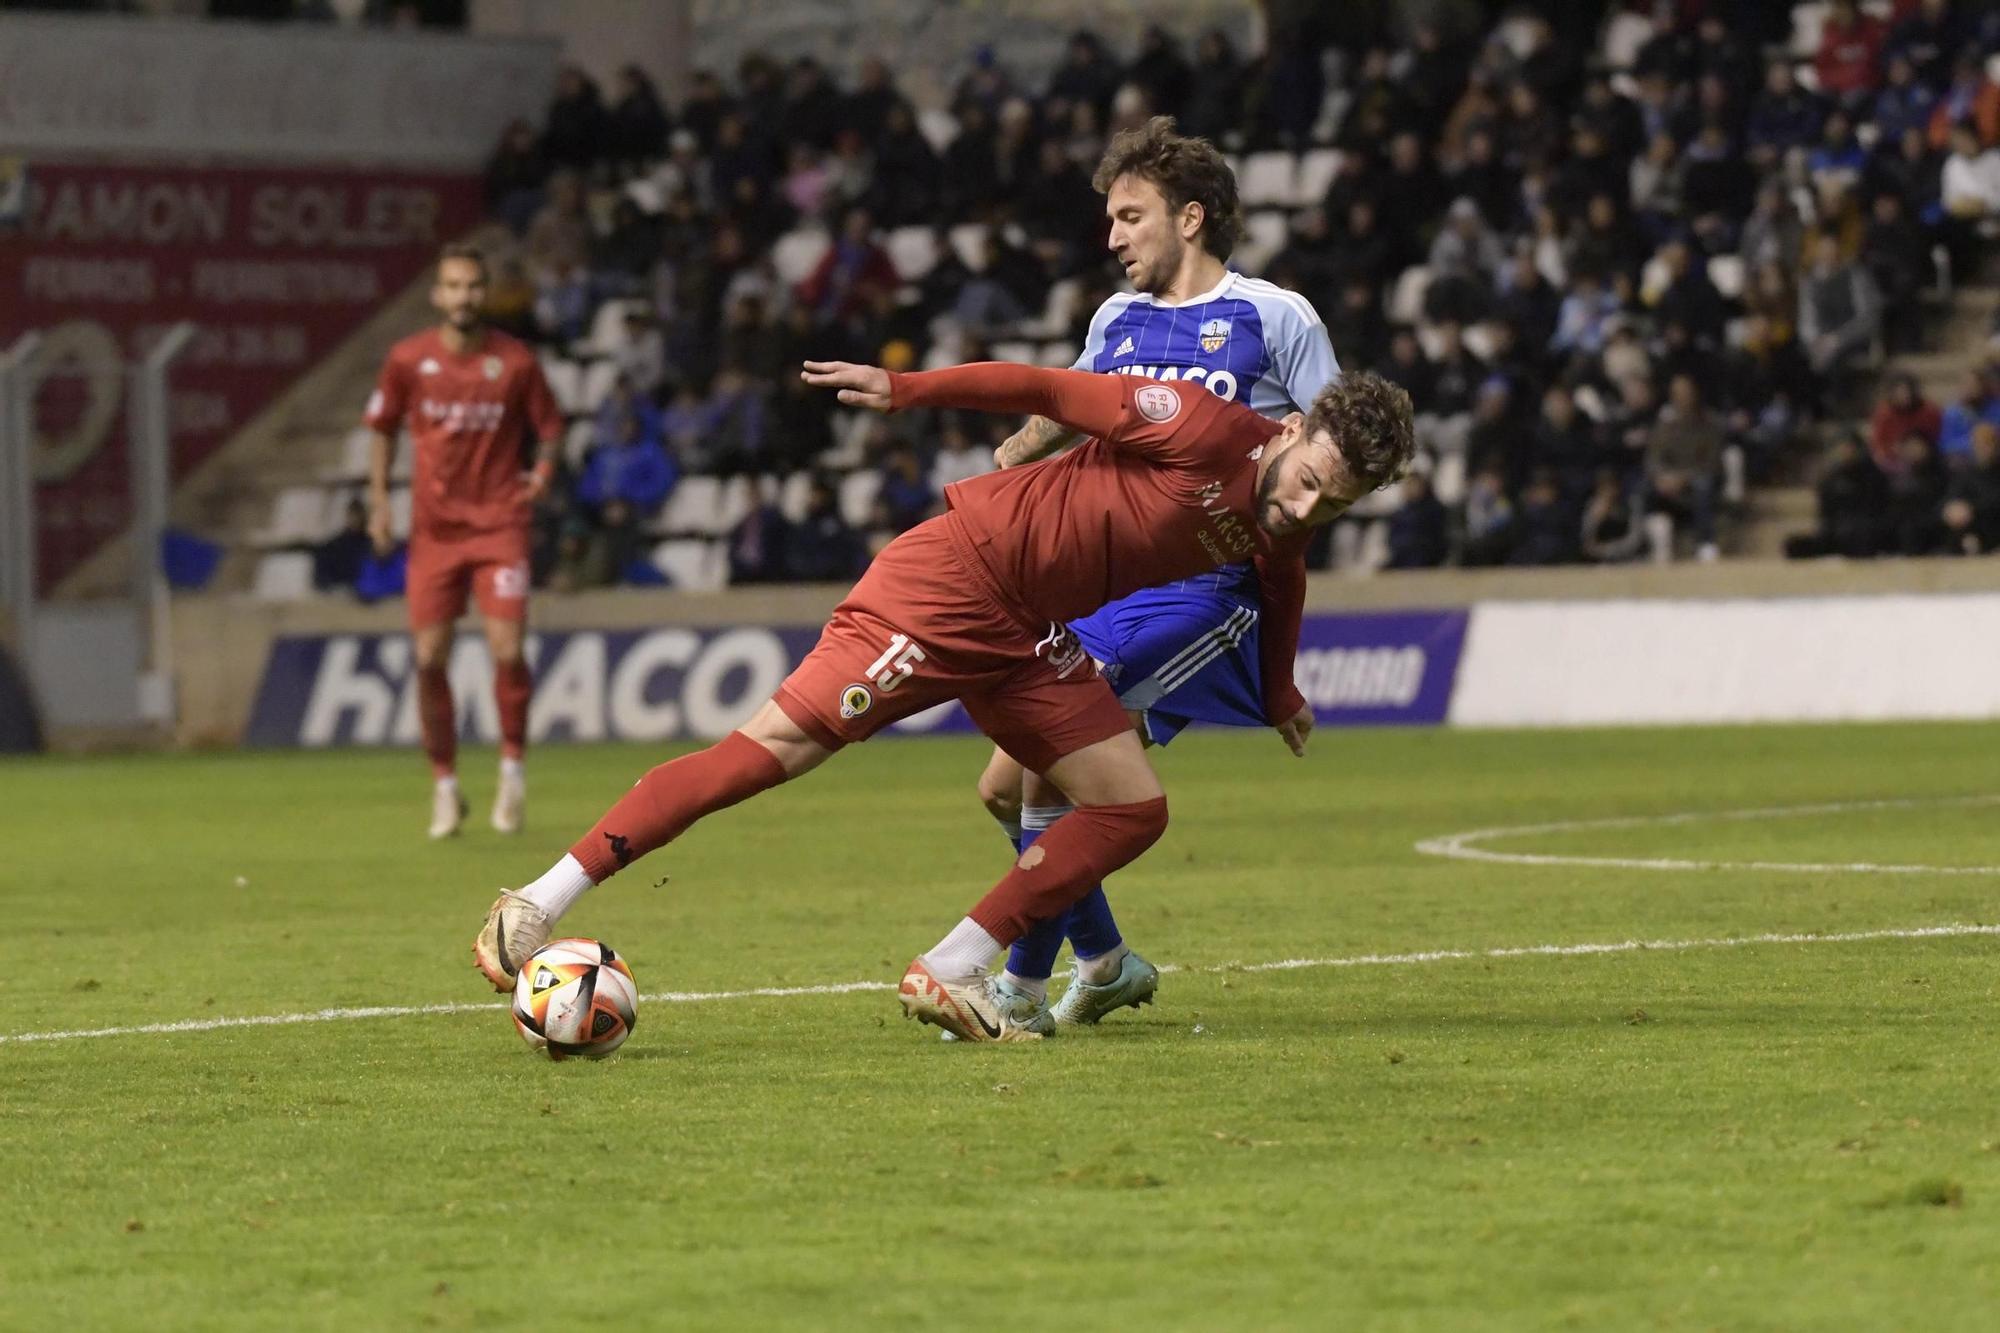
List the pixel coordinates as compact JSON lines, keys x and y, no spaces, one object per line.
{"x":925,"y":626}
{"x":443,"y":569}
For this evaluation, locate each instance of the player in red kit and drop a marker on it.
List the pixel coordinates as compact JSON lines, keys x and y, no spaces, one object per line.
{"x":473,"y":398}
{"x":1173,"y":482}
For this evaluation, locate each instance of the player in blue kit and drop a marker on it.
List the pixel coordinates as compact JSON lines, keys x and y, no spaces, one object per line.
{"x":1189,"y":651}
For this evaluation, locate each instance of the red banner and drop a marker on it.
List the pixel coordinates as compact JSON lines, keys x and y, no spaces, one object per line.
{"x":275,"y":266}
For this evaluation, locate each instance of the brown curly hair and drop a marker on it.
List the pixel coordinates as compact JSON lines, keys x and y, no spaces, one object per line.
{"x":1372,"y":424}
{"x":1185,"y":170}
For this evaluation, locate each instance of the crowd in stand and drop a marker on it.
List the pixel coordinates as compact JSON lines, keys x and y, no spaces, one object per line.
{"x":1625,"y":268}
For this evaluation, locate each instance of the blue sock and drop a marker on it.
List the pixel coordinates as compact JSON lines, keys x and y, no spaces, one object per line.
{"x":1091,"y":928}
{"x":1033,"y":956}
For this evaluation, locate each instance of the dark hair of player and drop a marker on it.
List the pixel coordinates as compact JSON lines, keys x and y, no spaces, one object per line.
{"x":463,"y":250}
{"x":1372,"y":423}
{"x":1184,"y":170}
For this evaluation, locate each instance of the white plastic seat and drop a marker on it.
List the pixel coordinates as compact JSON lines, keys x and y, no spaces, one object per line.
{"x":857,"y":497}
{"x":692,"y":564}
{"x":1406,"y":301}
{"x":692,"y":506}
{"x":968,"y":242}
{"x":797,"y":254}
{"x":794,"y":495}
{"x":599,"y":379}
{"x":608,"y":335}
{"x":354,"y":450}
{"x":399,"y":512}
{"x":565,"y":379}
{"x":300,"y":514}
{"x":1060,"y":354}
{"x":577,"y":440}
{"x":1265,"y":235}
{"x":1317,"y":169}
{"x":1268,"y":180}
{"x":739,"y":497}
{"x":283,"y":576}
{"x":913,"y":250}
{"x":938,"y":127}
{"x":1021,"y":353}
{"x":1727,"y":273}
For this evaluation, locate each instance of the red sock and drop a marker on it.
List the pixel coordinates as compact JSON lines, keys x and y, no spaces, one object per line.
{"x":1077,"y":852}
{"x":513,"y":684}
{"x":673,"y":796}
{"x":438,"y":718}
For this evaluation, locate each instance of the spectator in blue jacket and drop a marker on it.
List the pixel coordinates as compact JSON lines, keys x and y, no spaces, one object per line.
{"x":629,"y":463}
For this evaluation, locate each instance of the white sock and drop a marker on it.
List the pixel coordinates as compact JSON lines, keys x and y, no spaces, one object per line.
{"x":557,"y":891}
{"x":1035,"y":988}
{"x":1010,"y":827}
{"x":1096,"y":971}
{"x":1039,"y":818}
{"x":968,"y":949}
{"x":449,"y":782}
{"x":515,"y":769}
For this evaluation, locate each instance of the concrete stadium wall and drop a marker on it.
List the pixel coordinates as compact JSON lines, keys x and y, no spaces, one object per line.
{"x":1678,"y":644}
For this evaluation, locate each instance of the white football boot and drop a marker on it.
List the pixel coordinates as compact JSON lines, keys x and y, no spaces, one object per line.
{"x":448,"y":810}
{"x":1085,"y":1003}
{"x":963,"y":1006}
{"x":510,"y":803}
{"x":514,"y":929}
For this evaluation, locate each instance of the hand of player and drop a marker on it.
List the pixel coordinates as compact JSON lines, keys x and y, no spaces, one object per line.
{"x":1296,"y":728}
{"x":381,"y":534}
{"x":859,"y":386}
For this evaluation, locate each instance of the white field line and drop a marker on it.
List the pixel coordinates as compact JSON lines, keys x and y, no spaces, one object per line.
{"x":1586,"y":950}
{"x":1464,"y":846}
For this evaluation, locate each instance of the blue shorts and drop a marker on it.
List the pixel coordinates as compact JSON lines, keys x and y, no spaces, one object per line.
{"x":1185,"y":652}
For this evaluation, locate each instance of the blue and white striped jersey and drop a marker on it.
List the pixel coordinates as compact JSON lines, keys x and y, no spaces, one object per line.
{"x":1245,"y":339}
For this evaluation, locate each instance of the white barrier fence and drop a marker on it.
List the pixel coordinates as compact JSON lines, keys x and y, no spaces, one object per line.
{"x":1531,"y":664}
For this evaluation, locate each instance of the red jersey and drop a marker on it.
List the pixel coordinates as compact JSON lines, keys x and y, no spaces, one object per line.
{"x":471,"y":416}
{"x":1166,"y":489}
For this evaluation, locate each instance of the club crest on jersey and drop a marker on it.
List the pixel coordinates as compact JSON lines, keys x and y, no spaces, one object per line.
{"x":855,"y":700}
{"x":429,"y":366}
{"x":1156,"y":402}
{"x":1214,"y":333}
{"x":492,"y":367}
{"x":1124,"y":348}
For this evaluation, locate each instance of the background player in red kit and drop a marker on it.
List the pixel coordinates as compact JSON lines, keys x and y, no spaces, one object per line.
{"x":472,"y":398}
{"x":970,"y":605}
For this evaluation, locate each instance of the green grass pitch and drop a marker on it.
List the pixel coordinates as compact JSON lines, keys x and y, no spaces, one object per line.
{"x":1775,"y":1135}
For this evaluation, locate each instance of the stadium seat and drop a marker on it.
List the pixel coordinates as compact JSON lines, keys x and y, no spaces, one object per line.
{"x":857,"y":497}
{"x":939,"y":128}
{"x":797,"y":254}
{"x":301,"y":514}
{"x":1269,"y":180}
{"x":1060,"y":353}
{"x":1316,"y":172}
{"x":692,"y":565}
{"x":794,"y":495}
{"x":739,"y":497}
{"x":913,"y":250}
{"x":968,"y":242}
{"x":1021,"y":353}
{"x":354,"y":451}
{"x":692,"y":507}
{"x":608,"y":335}
{"x":645,"y":192}
{"x":565,"y":379}
{"x":1266,"y":233}
{"x":1807,"y":21}
{"x":283,"y":576}
{"x":399,"y":511}
{"x":577,"y":439}
{"x":599,"y":379}
{"x":1727,"y":273}
{"x":1406,"y":300}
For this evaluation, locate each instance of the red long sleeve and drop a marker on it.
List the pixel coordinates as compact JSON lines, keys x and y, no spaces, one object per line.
{"x":1281,"y":582}
{"x":1086,"y":402}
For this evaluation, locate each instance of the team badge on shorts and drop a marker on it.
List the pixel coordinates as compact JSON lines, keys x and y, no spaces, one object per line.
{"x":855,"y":700}
{"x":1214,"y":333}
{"x":492,"y":367}
{"x":1157,"y":402}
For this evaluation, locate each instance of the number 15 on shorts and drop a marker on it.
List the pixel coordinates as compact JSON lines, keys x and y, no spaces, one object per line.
{"x":897,"y":664}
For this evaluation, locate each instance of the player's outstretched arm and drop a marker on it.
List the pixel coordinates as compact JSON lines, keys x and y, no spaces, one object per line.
{"x":381,"y":457}
{"x":1037,"y":439}
{"x":1078,"y":400}
{"x":1281,"y":586}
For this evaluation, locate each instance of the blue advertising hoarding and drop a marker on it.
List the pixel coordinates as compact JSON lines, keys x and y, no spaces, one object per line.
{"x":1377,"y":668}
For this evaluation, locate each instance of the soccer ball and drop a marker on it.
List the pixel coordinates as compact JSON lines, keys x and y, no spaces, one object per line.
{"x":575,"y":997}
